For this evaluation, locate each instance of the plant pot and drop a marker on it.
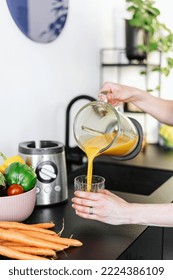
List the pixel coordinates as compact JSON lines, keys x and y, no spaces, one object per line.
{"x":135,"y":36}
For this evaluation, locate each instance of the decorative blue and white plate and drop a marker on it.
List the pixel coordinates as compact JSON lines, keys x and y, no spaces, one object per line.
{"x":40,"y":20}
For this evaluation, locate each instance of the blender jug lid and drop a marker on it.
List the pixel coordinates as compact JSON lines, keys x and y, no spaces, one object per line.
{"x":45,"y":147}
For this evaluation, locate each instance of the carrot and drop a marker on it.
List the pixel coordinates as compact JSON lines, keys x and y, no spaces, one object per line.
{"x":33,"y":250}
{"x":14,"y":254}
{"x":44,"y":237}
{"x":55,"y":238}
{"x":15,"y":236}
{"x":9,"y":243}
{"x":18,"y":225}
{"x":31,"y":241}
{"x":44,"y":225}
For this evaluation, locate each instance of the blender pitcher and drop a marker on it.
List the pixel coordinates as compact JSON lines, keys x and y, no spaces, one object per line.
{"x":99,"y":126}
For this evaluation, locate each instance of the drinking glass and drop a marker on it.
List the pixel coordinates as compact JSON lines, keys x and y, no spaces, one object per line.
{"x":80,"y":183}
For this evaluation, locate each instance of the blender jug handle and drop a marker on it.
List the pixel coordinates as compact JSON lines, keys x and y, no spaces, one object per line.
{"x":138,"y":147}
{"x":73,"y":154}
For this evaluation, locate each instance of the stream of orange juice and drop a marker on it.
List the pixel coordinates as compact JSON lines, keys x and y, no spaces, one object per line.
{"x":122,"y":146}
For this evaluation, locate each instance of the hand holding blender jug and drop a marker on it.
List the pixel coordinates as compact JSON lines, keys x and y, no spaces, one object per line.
{"x":100,"y":129}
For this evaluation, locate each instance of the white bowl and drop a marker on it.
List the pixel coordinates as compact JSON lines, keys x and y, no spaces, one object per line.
{"x":17,"y":207}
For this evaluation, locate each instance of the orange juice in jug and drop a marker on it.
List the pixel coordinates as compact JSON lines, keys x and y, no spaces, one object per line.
{"x":92,"y":147}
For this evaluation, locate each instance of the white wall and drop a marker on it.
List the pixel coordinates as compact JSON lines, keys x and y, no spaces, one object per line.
{"x":37,"y":81}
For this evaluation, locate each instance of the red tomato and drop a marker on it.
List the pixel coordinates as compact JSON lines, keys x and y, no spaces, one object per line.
{"x":15,"y":189}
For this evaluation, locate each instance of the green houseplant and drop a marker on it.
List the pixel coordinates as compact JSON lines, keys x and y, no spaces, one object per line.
{"x":145,"y":16}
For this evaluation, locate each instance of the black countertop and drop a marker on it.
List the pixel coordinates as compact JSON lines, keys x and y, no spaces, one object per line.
{"x":106,"y":242}
{"x":100,"y":241}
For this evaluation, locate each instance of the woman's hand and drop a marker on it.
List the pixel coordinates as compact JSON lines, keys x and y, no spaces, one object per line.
{"x":108,"y":208}
{"x":103,"y":206}
{"x":117,"y":93}
{"x":160,"y":109}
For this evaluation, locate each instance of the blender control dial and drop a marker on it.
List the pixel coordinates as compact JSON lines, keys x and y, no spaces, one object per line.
{"x":46,"y":172}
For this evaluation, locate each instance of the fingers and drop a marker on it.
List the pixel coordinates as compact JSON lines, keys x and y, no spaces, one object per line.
{"x":84,"y":209}
{"x":89,"y":198}
{"x":83,"y":202}
{"x":87,"y":195}
{"x":111,"y":99}
{"x":86,"y":216}
{"x":91,"y":205}
{"x":105,"y":191}
{"x":106,"y":87}
{"x":81,"y":208}
{"x":87,"y":210}
{"x":107,"y":93}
